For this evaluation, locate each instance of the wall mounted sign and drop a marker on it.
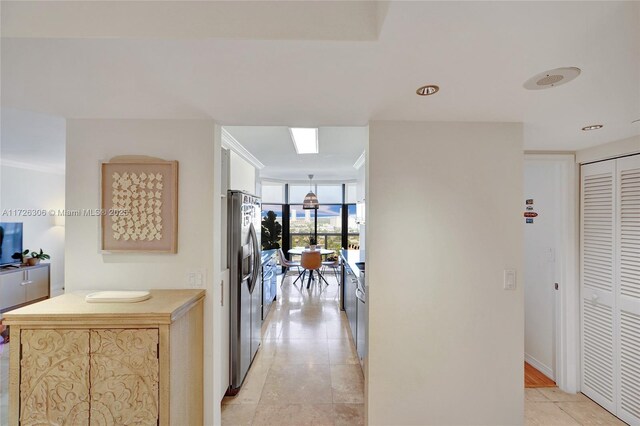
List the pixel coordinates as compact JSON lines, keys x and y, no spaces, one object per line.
{"x":139,"y":205}
{"x":530,"y":201}
{"x":530,"y":214}
{"x":529,"y":207}
{"x":529,"y":220}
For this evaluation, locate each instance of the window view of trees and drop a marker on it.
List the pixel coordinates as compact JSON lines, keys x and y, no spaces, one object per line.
{"x":271,"y":227}
{"x":329,"y":226}
{"x":302,"y":222}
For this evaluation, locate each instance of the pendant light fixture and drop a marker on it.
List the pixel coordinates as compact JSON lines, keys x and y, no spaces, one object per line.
{"x":310,"y":200}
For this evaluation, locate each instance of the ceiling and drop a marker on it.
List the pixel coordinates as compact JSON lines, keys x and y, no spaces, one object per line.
{"x":310,"y":68}
{"x":339,"y":148}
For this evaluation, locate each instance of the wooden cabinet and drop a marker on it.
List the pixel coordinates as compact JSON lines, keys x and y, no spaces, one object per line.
{"x":23,"y":285}
{"x":78,"y":363}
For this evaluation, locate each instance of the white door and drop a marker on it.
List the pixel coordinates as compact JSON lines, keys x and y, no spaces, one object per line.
{"x":597,"y":278}
{"x":628,"y":274}
{"x":610,"y":292}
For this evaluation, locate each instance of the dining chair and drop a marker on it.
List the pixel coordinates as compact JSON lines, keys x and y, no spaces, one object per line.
{"x":287,"y":264}
{"x":333,"y":264}
{"x":312,"y":261}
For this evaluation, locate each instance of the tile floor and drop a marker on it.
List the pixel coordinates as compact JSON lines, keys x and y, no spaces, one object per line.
{"x":307,"y":370}
{"x":551,"y":406}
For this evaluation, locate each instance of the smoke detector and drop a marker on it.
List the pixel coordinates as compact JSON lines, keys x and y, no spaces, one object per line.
{"x":552,"y":78}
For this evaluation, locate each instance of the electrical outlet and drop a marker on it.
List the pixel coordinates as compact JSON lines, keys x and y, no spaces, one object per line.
{"x":509,"y":279}
{"x":195,"y":278}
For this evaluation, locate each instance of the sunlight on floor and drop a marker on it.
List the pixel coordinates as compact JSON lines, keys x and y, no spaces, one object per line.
{"x":307,"y":369}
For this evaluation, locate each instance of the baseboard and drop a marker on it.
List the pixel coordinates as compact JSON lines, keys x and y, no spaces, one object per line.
{"x":540,"y":366}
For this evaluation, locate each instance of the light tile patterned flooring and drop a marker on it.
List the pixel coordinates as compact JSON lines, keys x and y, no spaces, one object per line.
{"x":307,"y":370}
{"x":551,"y":406}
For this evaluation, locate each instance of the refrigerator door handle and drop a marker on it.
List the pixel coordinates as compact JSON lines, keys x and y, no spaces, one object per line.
{"x":256,"y":258}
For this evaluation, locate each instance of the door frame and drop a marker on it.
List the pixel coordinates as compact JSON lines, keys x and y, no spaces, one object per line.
{"x":567,"y":306}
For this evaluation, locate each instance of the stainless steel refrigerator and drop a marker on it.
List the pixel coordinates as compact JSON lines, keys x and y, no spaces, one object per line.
{"x":244,"y":218}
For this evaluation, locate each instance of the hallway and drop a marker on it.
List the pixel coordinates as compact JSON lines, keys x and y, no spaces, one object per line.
{"x":307,"y":370}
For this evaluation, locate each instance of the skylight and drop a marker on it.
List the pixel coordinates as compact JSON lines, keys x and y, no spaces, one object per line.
{"x":305,"y":139}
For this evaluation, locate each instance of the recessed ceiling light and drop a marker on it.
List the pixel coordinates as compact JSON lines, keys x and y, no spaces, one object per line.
{"x":592,"y":127}
{"x":304,"y":139}
{"x":427,"y":90}
{"x":552,"y":78}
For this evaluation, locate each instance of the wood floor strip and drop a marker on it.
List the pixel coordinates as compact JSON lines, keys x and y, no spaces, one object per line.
{"x":533,"y":378}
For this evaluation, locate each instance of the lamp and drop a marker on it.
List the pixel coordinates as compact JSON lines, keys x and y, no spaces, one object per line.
{"x":310,"y":200}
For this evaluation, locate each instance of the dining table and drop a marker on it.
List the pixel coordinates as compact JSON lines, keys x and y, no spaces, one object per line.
{"x":297,"y":251}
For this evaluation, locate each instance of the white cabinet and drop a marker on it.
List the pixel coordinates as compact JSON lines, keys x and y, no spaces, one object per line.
{"x":610,"y":285}
{"x":23,"y":285}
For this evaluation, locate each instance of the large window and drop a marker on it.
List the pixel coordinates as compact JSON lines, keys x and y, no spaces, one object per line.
{"x":273,"y":192}
{"x":329,"y":194}
{"x":334,"y":222}
{"x":271,"y":237}
{"x":330,"y":226}
{"x":301,"y":225}
{"x":297,"y":193}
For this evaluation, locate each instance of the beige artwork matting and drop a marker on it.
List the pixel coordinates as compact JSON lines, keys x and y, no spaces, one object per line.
{"x":139,"y":205}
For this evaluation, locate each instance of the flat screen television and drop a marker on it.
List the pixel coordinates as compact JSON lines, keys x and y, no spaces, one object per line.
{"x":10,"y":243}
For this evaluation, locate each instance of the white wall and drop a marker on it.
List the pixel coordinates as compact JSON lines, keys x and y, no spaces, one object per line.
{"x":609,"y":150}
{"x":192,"y":143}
{"x":542,"y":183}
{"x":444,"y":221}
{"x":34,"y":189}
{"x":361,"y":190}
{"x":242,"y":175}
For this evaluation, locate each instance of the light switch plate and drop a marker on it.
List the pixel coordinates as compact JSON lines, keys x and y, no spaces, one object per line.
{"x":195,"y":278}
{"x":509,"y":279}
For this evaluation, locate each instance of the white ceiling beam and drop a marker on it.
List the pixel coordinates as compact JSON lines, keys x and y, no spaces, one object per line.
{"x":269,"y":20}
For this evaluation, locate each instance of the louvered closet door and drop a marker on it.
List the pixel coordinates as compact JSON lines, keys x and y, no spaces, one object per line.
{"x":628,"y":250}
{"x":598,"y":287}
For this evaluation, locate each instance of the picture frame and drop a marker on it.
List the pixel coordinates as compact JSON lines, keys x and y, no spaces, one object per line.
{"x":139,"y":205}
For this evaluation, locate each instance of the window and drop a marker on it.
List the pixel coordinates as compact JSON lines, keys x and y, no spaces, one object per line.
{"x":353,"y":233}
{"x":329,"y":194}
{"x":273,"y":192}
{"x":301,"y":225}
{"x":298,"y":192}
{"x":271,"y":237}
{"x":330,"y":226}
{"x":327,"y":221}
{"x":351,"y":195}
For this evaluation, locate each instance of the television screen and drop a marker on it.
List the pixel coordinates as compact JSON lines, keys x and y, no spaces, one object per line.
{"x":10,"y":243}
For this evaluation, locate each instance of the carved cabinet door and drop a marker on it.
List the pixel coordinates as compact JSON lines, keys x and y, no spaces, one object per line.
{"x":54,"y":377}
{"x":124,"y":377}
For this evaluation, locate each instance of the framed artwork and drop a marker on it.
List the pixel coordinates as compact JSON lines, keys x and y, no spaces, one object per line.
{"x":139,"y":205}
